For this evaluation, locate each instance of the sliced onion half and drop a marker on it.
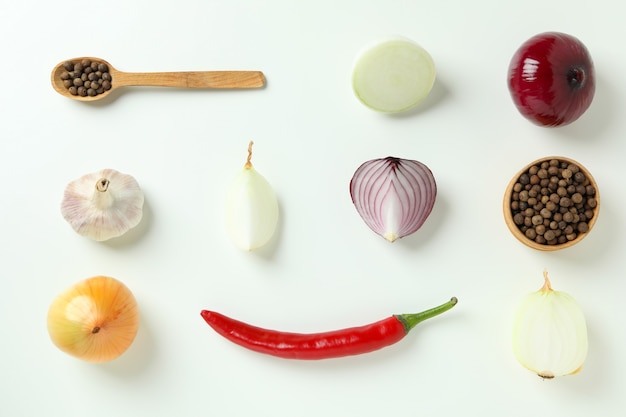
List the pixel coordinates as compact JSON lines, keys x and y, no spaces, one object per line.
{"x":394,"y":196}
{"x":393,"y":75}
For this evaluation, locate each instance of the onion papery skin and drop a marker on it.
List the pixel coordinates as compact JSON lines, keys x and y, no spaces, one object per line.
{"x":550,"y":333}
{"x":394,"y":196}
{"x":95,"y":320}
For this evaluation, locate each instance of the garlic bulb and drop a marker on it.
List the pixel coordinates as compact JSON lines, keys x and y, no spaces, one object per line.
{"x":251,"y":208}
{"x":103,"y":205}
{"x":550,"y":333}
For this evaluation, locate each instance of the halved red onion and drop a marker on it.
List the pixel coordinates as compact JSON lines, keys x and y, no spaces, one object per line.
{"x":394,"y":196}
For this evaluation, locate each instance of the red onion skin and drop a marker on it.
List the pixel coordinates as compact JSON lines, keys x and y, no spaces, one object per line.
{"x":394,"y":196}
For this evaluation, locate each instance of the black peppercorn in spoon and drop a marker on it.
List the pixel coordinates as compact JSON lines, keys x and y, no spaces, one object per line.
{"x":89,"y":79}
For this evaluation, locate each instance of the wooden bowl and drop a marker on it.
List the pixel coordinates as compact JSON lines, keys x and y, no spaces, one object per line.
{"x":529,"y":241}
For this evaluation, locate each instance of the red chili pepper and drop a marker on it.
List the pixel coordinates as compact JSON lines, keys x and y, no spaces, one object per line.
{"x":333,"y":344}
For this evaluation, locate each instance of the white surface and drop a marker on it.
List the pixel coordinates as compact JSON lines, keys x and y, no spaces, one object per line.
{"x":326,"y":269}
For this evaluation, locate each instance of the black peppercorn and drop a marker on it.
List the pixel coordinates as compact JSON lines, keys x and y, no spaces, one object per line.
{"x":579,"y":177}
{"x":552,"y":202}
{"x":546,"y":213}
{"x":537,"y":220}
{"x":524,"y":179}
{"x":590,"y":190}
{"x":84,"y":74}
{"x":577,"y":198}
{"x":549,"y":235}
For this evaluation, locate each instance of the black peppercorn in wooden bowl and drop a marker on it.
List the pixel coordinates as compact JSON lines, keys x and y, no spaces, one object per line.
{"x":551,"y":203}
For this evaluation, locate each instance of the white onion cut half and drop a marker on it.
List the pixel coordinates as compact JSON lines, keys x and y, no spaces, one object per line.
{"x":251,"y":208}
{"x":393,"y":75}
{"x":394,"y":196}
{"x":550,"y":333}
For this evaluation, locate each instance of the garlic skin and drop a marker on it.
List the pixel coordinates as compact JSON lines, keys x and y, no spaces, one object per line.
{"x":251,"y":213}
{"x":103,"y":205}
{"x":550,"y":333}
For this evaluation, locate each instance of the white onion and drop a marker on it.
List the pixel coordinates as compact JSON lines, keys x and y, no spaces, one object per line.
{"x":393,"y":75}
{"x":394,"y":196}
{"x":550,"y":333}
{"x":251,"y":208}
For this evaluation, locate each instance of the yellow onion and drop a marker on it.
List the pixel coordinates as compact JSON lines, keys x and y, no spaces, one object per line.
{"x":251,"y":208}
{"x":95,"y":319}
{"x":550,"y":333}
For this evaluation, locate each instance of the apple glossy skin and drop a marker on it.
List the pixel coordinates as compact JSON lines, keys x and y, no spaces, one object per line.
{"x":551,"y":79}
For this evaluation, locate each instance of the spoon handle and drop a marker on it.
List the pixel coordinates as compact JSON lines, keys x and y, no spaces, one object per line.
{"x":192,"y":79}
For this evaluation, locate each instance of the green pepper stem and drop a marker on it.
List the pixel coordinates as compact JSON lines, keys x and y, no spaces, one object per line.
{"x":409,"y":321}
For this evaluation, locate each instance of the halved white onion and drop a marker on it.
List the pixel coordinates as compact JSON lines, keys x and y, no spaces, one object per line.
{"x":550,"y":333}
{"x":251,"y":208}
{"x":394,"y":196}
{"x":393,"y":75}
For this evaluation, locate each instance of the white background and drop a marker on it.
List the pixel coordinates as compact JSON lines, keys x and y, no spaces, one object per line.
{"x":325,"y":269}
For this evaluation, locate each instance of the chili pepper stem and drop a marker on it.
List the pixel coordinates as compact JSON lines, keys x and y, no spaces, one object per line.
{"x":409,"y":321}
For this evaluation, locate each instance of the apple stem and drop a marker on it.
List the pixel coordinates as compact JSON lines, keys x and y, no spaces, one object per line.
{"x":95,"y":330}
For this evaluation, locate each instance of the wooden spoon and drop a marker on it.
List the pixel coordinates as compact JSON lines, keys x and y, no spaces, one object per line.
{"x":187,"y":79}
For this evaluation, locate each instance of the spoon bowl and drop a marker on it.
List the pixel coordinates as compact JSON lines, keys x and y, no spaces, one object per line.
{"x":183,"y":79}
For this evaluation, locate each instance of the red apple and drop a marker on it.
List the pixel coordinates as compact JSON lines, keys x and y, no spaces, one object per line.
{"x":551,"y":79}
